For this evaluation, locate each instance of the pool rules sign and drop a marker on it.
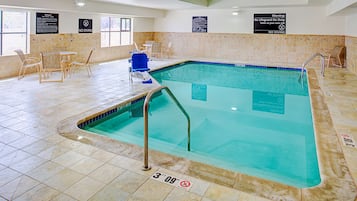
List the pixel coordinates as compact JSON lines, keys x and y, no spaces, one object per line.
{"x":85,"y":26}
{"x":270,"y":23}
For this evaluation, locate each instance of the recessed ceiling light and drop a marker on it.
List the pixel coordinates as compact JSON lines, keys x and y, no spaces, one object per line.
{"x":80,"y":3}
{"x":235,"y":12}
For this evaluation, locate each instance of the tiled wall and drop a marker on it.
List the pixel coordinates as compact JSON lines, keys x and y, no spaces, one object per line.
{"x":351,"y":49}
{"x":80,"y":43}
{"x":266,"y":49}
{"x":141,"y":37}
{"x":263,"y":49}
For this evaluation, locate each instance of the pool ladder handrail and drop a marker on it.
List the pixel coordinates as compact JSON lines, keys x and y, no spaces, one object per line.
{"x":322,"y":60}
{"x":146,"y":126}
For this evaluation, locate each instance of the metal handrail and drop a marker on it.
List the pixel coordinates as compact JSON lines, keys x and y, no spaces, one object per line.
{"x":322,"y":60}
{"x":146,"y":126}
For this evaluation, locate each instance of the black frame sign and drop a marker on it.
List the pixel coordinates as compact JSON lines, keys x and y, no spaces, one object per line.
{"x":270,"y":23}
{"x":85,"y":26}
{"x":46,"y":23}
{"x":199,"y":24}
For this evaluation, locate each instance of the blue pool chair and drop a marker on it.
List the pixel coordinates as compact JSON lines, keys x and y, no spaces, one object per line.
{"x":139,"y":67}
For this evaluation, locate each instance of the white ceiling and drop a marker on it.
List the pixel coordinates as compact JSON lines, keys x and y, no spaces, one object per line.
{"x":215,"y":4}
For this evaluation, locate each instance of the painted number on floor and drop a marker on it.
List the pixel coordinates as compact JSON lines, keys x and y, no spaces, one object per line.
{"x":348,"y":140}
{"x":172,"y":180}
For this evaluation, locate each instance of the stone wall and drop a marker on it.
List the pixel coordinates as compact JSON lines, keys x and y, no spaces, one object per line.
{"x":80,"y":43}
{"x":351,"y":53}
{"x":262,"y":49}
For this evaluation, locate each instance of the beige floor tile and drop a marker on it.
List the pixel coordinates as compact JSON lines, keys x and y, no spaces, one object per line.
{"x":86,"y":150}
{"x":128,"y":181}
{"x":7,"y":175}
{"x":261,"y":199}
{"x":54,"y":139}
{"x":5,"y":150}
{"x":69,"y":158}
{"x":110,"y":193}
{"x":218,"y":192}
{"x":103,"y":155}
{"x":182,"y":195}
{"x":23,"y":142}
{"x":53,"y":152}
{"x":64,"y":179}
{"x":84,"y":189}
{"x":149,"y":191}
{"x":132,"y":165}
{"x":86,"y":165}
{"x":106,"y":173}
{"x":199,"y":186}
{"x":28,"y":164}
{"x":17,"y":187}
{"x":70,"y":144}
{"x":37,"y":147}
{"x":40,"y":192}
{"x":7,"y":136}
{"x":63,"y":197}
{"x":14,"y":157}
{"x":45,"y":171}
{"x":246,"y":197}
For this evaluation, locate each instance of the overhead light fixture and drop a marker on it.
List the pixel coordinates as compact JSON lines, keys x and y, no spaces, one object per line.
{"x":80,"y":3}
{"x":235,"y":12}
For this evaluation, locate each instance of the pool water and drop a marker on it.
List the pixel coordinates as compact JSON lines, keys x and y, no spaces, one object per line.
{"x":253,"y":120}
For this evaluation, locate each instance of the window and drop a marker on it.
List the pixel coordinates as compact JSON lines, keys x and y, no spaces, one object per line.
{"x":13,"y":32}
{"x":115,"y":31}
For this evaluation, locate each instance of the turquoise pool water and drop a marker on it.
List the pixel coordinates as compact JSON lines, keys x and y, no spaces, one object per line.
{"x":252,"y":120}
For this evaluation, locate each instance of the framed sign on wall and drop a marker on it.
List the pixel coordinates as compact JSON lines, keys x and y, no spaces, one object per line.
{"x":85,"y":26}
{"x":46,"y":23}
{"x":199,"y":24}
{"x":270,"y":23}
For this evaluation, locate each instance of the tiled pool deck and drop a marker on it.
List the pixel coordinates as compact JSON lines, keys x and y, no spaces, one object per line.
{"x":36,"y":163}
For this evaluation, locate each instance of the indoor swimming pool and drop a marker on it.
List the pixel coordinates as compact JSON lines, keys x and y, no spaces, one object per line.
{"x":250,"y":119}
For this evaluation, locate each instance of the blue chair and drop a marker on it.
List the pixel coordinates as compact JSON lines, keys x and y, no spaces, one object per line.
{"x":139,"y":67}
